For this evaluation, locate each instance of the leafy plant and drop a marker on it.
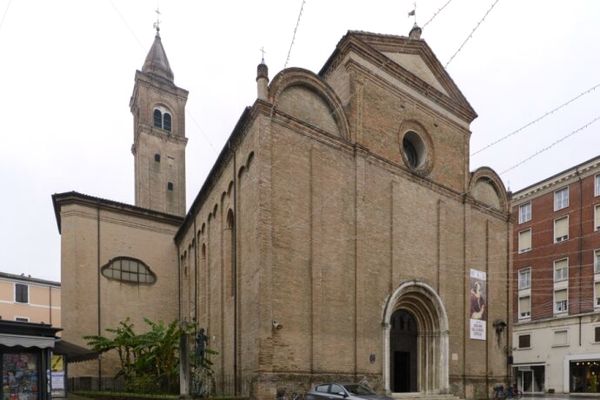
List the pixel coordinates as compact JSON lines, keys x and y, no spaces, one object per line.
{"x":149,"y":362}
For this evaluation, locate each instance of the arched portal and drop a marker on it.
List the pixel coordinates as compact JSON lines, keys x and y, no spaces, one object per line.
{"x":415,"y":337}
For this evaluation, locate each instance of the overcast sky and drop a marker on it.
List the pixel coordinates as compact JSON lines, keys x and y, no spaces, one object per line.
{"x":67,"y":72}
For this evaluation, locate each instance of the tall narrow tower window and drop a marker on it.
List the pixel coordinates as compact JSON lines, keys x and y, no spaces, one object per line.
{"x":167,"y":122}
{"x":157,"y":118}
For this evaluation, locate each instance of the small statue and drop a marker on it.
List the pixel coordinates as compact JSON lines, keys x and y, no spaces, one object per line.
{"x":201,"y":340}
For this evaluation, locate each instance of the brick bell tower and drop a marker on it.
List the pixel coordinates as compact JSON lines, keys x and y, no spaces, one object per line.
{"x":158,"y":108}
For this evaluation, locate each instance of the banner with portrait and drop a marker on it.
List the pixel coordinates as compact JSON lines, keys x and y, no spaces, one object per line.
{"x":477,"y":304}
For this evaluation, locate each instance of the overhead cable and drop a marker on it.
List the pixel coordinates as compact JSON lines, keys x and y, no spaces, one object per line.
{"x":471,"y":34}
{"x":4,"y":15}
{"x":294,"y":35}
{"x":537,"y":119}
{"x":551,"y":145}
{"x":436,"y":13}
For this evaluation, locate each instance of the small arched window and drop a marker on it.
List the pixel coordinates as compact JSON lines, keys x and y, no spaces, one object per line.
{"x":167,"y":122}
{"x":162,"y":118}
{"x":130,"y":270}
{"x":157,"y":118}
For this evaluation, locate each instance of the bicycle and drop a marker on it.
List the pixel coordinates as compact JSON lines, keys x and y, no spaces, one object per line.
{"x":510,"y":393}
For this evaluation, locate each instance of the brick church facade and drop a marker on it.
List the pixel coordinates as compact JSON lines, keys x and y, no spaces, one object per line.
{"x":339,"y":236}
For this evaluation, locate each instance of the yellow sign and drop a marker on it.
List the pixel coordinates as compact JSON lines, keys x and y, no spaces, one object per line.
{"x":57,"y":363}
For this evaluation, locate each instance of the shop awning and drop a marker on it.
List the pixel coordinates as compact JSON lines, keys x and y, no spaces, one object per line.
{"x":73,"y":352}
{"x":40,"y":342}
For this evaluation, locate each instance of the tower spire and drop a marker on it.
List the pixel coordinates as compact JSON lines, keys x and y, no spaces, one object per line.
{"x":156,"y":62}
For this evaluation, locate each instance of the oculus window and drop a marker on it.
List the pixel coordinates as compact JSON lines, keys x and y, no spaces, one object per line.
{"x":130,"y":270}
{"x":414,"y":150}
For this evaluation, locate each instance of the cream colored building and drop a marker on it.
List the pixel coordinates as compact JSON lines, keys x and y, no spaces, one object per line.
{"x":339,"y":236}
{"x":27,"y":299}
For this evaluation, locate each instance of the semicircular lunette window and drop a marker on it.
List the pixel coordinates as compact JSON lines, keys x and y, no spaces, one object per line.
{"x":129,"y":270}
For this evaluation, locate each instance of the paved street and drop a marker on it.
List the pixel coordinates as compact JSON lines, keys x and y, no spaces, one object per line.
{"x":561,"y":396}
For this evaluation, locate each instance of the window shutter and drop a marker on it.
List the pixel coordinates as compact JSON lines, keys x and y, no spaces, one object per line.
{"x":560,"y":338}
{"x":524,"y":240}
{"x":524,"y":341}
{"x":561,"y":229}
{"x":524,"y":306}
{"x":560,"y":295}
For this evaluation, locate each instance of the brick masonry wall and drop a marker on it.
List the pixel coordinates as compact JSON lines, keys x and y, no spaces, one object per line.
{"x":579,"y":248}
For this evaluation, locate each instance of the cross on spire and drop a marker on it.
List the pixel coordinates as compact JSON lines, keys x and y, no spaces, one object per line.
{"x":157,"y":23}
{"x":262,"y":50}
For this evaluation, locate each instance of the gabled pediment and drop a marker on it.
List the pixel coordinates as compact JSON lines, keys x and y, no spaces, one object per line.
{"x":410,"y":60}
{"x":417,"y":65}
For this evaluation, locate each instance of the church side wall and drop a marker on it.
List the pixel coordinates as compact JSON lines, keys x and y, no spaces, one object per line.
{"x":83,"y":252}
{"x":209,"y":291}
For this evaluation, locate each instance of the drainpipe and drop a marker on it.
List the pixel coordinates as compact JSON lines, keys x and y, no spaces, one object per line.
{"x":50,"y":304}
{"x":509,"y":298}
{"x":98,"y":290}
{"x":195,"y":240}
{"x":580,"y":247}
{"x":235,"y":277}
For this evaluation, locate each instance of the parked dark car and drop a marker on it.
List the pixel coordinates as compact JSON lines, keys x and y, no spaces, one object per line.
{"x":343,"y":391}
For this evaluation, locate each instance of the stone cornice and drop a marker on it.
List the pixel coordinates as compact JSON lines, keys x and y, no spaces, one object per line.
{"x":29,"y":279}
{"x":61,"y":199}
{"x":232,"y":143}
{"x":586,"y":168}
{"x":161,"y":83}
{"x":159,"y":133}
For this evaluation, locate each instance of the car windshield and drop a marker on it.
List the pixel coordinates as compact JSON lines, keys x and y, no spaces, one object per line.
{"x":359,"y":390}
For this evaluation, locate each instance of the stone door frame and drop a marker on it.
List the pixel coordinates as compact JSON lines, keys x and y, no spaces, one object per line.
{"x":425,"y":304}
